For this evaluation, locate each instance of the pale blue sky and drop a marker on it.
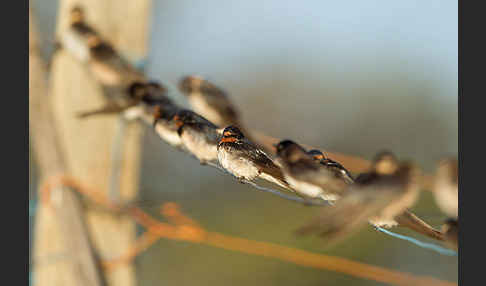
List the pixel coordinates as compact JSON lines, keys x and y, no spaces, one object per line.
{"x":363,"y":74}
{"x":351,"y":76}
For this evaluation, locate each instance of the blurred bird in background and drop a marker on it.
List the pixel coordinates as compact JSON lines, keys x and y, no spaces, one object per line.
{"x":213,"y":103}
{"x":107,"y":66}
{"x":446,"y":194}
{"x":445,"y":190}
{"x":377,"y":197}
{"x":209,"y":100}
{"x":309,"y":177}
{"x":198,"y":135}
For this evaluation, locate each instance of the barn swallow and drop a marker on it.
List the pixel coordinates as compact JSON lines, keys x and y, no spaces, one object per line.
{"x":209,"y":100}
{"x":376,"y":197}
{"x":385,"y":163}
{"x":307,"y":176}
{"x":245,"y":160}
{"x":109,"y":67}
{"x":165,"y":125}
{"x":213,"y":103}
{"x":77,"y":21}
{"x":318,"y":156}
{"x":150,"y":93}
{"x":75,"y":39}
{"x":451,"y":233}
{"x":86,"y":44}
{"x":445,"y":187}
{"x":198,"y":135}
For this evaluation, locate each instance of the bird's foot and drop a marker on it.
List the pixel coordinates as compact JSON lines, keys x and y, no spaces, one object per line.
{"x":242,"y":180}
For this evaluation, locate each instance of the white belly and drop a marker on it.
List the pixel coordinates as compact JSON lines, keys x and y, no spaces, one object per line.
{"x":134,"y":113}
{"x":381,"y":222}
{"x":199,"y":147}
{"x":75,"y":44}
{"x":239,"y":167}
{"x":273,"y":180}
{"x":168,"y":135}
{"x":447,"y":199}
{"x":310,"y":190}
{"x":304,"y":188}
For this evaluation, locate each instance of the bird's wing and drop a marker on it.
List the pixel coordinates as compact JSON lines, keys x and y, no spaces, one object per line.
{"x":409,"y":220}
{"x":263,"y":163}
{"x":222,"y":104}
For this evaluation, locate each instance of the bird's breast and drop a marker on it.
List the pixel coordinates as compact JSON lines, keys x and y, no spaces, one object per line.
{"x":304,"y":188}
{"x":168,"y":134}
{"x":447,"y":199}
{"x":75,"y":44}
{"x":237,"y":165}
{"x":199,"y":144}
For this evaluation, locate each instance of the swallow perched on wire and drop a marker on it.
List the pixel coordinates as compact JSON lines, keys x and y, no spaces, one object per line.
{"x":198,"y":135}
{"x":445,"y":187}
{"x":149,"y":93}
{"x":376,"y":197}
{"x":386,"y":163}
{"x":318,"y":156}
{"x":86,"y":44}
{"x":148,"y":96}
{"x":209,"y":100}
{"x":75,"y":39}
{"x":245,"y":160}
{"x":213,"y":103}
{"x":108,"y":66}
{"x":165,"y":125}
{"x":308,"y":177}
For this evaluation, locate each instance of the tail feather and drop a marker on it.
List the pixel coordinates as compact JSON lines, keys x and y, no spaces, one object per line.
{"x":275,"y":178}
{"x":409,"y":220}
{"x":106,"y":110}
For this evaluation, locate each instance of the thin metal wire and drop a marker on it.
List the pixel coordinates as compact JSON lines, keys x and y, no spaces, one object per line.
{"x":273,"y":191}
{"x":437,"y":248}
{"x":288,"y":197}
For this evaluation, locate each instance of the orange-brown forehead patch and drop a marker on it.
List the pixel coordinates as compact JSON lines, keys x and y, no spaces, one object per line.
{"x":227,"y":133}
{"x":319,"y":157}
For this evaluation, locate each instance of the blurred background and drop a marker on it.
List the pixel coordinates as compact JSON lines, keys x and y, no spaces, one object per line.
{"x":352,"y":76}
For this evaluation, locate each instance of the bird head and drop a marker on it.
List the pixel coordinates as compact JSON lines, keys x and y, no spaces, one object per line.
{"x":232,"y":134}
{"x":290,"y":151}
